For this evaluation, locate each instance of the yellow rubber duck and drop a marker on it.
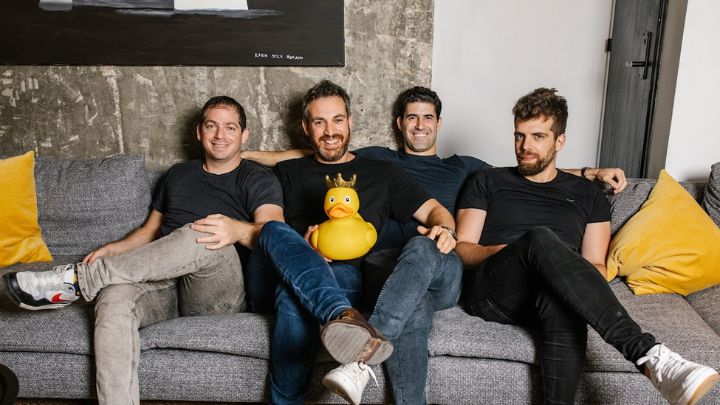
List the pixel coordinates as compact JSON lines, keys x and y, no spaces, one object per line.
{"x":345,"y":235}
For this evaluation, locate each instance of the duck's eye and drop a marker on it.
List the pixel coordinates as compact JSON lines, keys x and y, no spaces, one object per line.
{"x":347,"y":198}
{"x":332,"y":200}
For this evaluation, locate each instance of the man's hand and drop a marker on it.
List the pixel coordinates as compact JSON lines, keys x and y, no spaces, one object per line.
{"x":107,"y":250}
{"x":445,"y":241}
{"x":613,"y":177}
{"x":222,"y":230}
{"x":308,"y":234}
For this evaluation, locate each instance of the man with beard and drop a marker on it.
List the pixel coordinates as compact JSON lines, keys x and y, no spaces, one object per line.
{"x":534,"y":240}
{"x":306,"y":290}
{"x":417,"y":116}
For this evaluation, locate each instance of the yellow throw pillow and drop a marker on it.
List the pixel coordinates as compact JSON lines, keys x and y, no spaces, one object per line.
{"x":669,"y":246}
{"x":20,"y":239}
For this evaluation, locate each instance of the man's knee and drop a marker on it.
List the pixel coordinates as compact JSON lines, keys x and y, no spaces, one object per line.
{"x":118,"y":298}
{"x":186,"y":235}
{"x":423,"y":249}
{"x":146,"y":305}
{"x":275,"y":233}
{"x":271,"y":228}
{"x":541,"y":235}
{"x":423,"y":252}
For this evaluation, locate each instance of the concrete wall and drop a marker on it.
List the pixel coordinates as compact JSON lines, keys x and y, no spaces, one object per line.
{"x":88,"y":111}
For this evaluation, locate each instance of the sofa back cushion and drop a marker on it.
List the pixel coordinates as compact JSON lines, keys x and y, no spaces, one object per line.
{"x":711,"y":199}
{"x":83,"y":204}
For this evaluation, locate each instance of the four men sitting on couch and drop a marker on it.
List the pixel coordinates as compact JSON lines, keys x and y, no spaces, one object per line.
{"x":533,"y":240}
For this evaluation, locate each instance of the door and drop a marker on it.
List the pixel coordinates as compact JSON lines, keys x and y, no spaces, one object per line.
{"x":632,"y":84}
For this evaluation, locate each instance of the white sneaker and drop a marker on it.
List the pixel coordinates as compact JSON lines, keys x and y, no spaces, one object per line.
{"x":680,"y":381}
{"x":349,"y":381}
{"x":49,"y":289}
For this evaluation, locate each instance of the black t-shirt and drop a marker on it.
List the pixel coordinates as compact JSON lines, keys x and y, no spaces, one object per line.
{"x":515,"y":205}
{"x":442,"y":178}
{"x":385,"y":192}
{"x":187,"y":193}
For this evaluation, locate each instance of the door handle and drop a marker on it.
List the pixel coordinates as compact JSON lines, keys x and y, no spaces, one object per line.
{"x":645,"y":65}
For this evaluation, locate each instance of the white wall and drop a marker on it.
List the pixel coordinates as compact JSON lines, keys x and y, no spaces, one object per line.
{"x":488,"y":53}
{"x":694,"y":142}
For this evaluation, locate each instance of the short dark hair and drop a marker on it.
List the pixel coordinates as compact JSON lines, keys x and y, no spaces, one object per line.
{"x":546,"y":103}
{"x":223,"y":101}
{"x":417,"y":94}
{"x":325,"y":88}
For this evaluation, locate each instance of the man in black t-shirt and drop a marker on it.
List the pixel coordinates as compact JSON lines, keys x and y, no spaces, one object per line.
{"x":306,"y":290}
{"x":417,"y":119}
{"x":181,"y":257}
{"x":417,"y":116}
{"x":534,"y":240}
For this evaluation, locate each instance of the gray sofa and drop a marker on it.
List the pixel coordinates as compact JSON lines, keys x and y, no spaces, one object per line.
{"x":83,"y":204}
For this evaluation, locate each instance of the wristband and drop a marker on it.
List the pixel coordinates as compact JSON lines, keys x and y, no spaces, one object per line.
{"x":450,"y":231}
{"x":582,"y":172}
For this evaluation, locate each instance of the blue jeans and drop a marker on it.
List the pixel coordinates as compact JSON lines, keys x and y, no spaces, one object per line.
{"x":286,"y":276}
{"x":538,"y":280}
{"x":423,"y":280}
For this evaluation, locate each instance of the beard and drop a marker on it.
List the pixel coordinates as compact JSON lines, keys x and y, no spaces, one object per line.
{"x":331,"y":155}
{"x":531,"y":169}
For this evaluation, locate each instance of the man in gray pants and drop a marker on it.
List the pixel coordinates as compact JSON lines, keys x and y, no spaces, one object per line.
{"x":206,"y":216}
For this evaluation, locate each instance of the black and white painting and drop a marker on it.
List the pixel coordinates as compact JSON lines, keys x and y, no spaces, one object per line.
{"x":173,"y":32}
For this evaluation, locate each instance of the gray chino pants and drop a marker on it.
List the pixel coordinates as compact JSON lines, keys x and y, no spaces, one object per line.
{"x":170,"y":277}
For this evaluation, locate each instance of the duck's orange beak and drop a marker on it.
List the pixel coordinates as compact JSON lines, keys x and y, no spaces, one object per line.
{"x":338,"y":211}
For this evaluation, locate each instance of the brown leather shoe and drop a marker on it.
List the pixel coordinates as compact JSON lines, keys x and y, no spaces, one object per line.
{"x":350,"y":338}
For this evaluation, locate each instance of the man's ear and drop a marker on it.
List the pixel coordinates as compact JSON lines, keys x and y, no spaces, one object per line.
{"x":559,"y":142}
{"x":398,"y":120}
{"x":439,"y":122}
{"x":350,"y":121}
{"x":198,"y":133}
{"x":244,"y":135}
{"x":305,"y":127}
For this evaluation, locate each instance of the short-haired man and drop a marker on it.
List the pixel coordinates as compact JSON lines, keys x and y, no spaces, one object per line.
{"x":534,"y":240}
{"x":310,"y":290}
{"x":200,"y":210}
{"x":417,"y":115}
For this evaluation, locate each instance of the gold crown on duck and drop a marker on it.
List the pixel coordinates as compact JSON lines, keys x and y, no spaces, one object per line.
{"x":338,"y":181}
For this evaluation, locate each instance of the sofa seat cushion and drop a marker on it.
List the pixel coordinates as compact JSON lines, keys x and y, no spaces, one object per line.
{"x":668,"y":316}
{"x":455,"y":333}
{"x":244,"y":334}
{"x":67,"y":330}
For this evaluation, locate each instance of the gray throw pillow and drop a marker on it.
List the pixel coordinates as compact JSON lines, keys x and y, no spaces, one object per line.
{"x":711,"y":198}
{"x":83,"y":204}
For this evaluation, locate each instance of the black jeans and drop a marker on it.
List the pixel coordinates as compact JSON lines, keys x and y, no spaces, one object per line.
{"x":538,"y":280}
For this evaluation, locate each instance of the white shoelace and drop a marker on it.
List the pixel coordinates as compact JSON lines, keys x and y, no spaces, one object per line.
{"x":364,"y":366}
{"x":60,"y":270}
{"x":662,"y":358}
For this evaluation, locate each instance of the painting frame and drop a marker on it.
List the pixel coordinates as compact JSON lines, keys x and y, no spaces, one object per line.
{"x":162,"y":32}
